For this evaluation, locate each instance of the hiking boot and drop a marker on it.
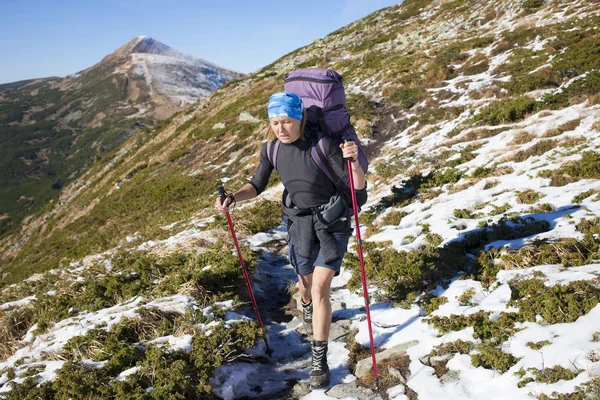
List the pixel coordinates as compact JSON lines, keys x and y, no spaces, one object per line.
{"x":319,"y":376}
{"x":307,"y":312}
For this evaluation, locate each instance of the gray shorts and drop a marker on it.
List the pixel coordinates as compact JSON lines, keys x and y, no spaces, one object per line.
{"x":305,"y":266}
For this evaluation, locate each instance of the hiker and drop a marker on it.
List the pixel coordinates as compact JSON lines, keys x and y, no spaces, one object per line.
{"x":319,"y":222}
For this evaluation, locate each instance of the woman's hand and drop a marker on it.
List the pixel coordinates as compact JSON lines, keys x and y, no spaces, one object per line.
{"x":223,"y":207}
{"x":350,"y":150}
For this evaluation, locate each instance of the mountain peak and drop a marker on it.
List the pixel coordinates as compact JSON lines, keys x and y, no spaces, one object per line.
{"x":145,"y":44}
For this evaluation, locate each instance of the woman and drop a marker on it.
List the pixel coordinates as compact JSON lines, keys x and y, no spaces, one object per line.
{"x":316,"y":244}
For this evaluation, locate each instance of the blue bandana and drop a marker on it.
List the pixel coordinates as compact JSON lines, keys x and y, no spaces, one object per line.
{"x":285,"y":104}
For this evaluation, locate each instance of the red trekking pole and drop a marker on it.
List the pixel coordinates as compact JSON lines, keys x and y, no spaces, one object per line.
{"x":221,"y":192}
{"x":362,"y":266}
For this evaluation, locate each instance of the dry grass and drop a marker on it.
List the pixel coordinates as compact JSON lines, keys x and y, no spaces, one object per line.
{"x":193,"y":289}
{"x":566,"y":127}
{"x":13,"y":325}
{"x":491,"y":184}
{"x":503,"y":171}
{"x":522,"y":138}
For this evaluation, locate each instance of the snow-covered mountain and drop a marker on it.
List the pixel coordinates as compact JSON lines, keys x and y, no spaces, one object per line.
{"x":180,"y":77}
{"x":53,"y":129}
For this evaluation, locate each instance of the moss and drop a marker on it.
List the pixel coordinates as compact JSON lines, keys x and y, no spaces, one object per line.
{"x":596,"y":337}
{"x":538,"y":345}
{"x":492,"y":357}
{"x":545,"y":173}
{"x":555,"y":304}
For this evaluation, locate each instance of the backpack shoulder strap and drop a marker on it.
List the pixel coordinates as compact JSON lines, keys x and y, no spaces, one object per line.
{"x":272,"y":150}
{"x":317,"y":153}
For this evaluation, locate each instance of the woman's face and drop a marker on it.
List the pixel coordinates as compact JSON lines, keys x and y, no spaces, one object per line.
{"x":286,"y":129}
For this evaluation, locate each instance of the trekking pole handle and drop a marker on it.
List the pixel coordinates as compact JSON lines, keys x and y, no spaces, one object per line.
{"x":221,"y":192}
{"x":346,"y":139}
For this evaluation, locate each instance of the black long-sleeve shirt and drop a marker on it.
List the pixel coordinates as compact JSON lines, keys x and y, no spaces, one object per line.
{"x":306,"y":184}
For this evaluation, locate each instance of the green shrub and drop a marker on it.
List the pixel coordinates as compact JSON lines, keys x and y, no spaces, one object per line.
{"x":259,"y":217}
{"x":360,"y":106}
{"x":491,"y":357}
{"x":580,"y":57}
{"x":533,"y":3}
{"x":556,"y":304}
{"x":504,"y":111}
{"x":393,"y":218}
{"x":459,"y":346}
{"x":538,"y":345}
{"x":549,"y":375}
{"x":588,"y":167}
{"x":463,"y":214}
{"x":407,"y":97}
{"x":498,"y":210}
{"x":528,"y":196}
{"x":541,"y":147}
{"x":434,"y":303}
{"x":478,"y":68}
{"x":585,"y":391}
{"x":568,"y":252}
{"x":584,"y":195}
{"x":484,"y":328}
{"x":465,"y":298}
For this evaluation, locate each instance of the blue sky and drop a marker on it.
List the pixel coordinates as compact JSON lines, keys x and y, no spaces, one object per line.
{"x":40,"y":38}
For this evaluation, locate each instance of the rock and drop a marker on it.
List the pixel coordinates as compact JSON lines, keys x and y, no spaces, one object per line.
{"x":364,"y":366}
{"x":431,"y":360}
{"x":338,"y":305}
{"x":301,"y":389}
{"x":293,"y":324}
{"x":296,"y":297}
{"x":220,"y":125}
{"x":396,"y":374}
{"x":450,"y":376}
{"x":246,"y":116}
{"x":339,"y":330}
{"x":352,"y":389}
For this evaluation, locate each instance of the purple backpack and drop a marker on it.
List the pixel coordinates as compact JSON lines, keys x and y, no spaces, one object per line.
{"x":322,"y":93}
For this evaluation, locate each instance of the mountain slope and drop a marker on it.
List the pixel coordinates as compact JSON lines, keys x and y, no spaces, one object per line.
{"x":481,"y":120}
{"x":52,"y":129}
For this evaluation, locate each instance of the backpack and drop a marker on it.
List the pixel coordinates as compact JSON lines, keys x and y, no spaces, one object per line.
{"x":322,"y":93}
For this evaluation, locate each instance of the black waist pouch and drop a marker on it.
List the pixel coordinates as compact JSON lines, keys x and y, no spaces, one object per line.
{"x":332,"y":212}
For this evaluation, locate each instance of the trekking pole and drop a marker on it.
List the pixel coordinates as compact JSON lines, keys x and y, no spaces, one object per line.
{"x":362,"y":266}
{"x":221,"y":192}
